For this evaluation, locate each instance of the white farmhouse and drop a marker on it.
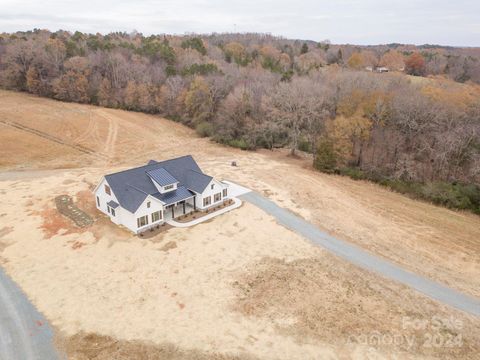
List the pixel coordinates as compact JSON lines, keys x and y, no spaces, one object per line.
{"x":149,"y":195}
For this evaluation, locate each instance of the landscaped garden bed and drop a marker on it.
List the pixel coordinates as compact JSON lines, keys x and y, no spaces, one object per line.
{"x":201,"y":213}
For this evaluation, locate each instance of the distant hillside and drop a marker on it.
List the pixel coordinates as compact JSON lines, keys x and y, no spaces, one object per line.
{"x":417,"y":122}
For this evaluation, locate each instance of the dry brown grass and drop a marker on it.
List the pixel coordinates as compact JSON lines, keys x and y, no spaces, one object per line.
{"x":315,"y":299}
{"x":94,"y":346}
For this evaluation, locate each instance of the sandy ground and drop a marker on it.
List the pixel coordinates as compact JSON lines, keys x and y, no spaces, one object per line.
{"x":238,"y":285}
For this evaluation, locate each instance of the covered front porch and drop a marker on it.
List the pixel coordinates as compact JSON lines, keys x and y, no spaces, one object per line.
{"x":179,"y":208}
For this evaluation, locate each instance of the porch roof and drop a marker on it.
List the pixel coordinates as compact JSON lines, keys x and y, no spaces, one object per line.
{"x":113,"y":204}
{"x":171,"y":197}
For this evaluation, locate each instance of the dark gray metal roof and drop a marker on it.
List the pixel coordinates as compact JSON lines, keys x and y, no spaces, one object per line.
{"x":171,"y":197}
{"x":132,"y":186}
{"x":197,"y":181}
{"x":112,"y":204}
{"x":162,"y":177}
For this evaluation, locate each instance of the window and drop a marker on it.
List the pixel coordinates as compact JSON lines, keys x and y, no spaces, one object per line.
{"x":108,"y":209}
{"x":157,"y":215}
{"x":224,"y":192}
{"x":207,"y":201}
{"x":148,"y":204}
{"x":112,"y":210}
{"x":168,"y":187}
{"x":217,"y":197}
{"x":211,"y":187}
{"x":98,"y":201}
{"x":107,"y":190}
{"x":142,"y":221}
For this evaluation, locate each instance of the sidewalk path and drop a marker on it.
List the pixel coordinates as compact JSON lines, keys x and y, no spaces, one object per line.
{"x":236,"y":203}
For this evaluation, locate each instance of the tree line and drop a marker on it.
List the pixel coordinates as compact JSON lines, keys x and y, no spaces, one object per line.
{"x":256,"y":90}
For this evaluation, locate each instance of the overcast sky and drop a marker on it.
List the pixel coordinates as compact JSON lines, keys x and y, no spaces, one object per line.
{"x":446,"y":22}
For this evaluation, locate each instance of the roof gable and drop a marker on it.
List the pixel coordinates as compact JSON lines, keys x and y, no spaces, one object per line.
{"x":197,"y":181}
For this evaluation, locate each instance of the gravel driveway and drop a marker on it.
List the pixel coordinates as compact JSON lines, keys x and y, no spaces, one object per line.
{"x":24,"y":332}
{"x":363,"y":258}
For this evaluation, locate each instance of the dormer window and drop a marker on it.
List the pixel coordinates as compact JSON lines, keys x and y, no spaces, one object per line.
{"x":163,"y":180}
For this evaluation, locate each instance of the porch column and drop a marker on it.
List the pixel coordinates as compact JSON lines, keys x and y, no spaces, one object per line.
{"x":195,"y":203}
{"x":173,"y":212}
{"x":184,"y":207}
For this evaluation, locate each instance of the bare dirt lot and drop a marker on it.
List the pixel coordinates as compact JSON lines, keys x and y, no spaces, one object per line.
{"x":238,"y":286}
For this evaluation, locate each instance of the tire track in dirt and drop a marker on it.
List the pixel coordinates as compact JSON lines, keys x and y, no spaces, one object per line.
{"x":89,"y":131}
{"x":54,"y":139}
{"x":109,"y":148}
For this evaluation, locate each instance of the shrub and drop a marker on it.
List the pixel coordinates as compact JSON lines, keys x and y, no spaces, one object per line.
{"x":304,"y":145}
{"x":326,"y":159}
{"x":239,"y":143}
{"x":353,"y":173}
{"x":204,"y":129}
{"x":451,"y":195}
{"x":458,"y":196}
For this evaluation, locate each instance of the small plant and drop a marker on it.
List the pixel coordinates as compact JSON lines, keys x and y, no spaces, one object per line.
{"x":326,"y":158}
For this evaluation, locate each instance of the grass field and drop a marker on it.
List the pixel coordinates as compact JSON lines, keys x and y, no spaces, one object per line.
{"x":240,"y":286}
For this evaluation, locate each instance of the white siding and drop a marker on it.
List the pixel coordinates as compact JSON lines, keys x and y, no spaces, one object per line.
{"x":131,"y":221}
{"x":123,"y":216}
{"x":104,"y":198}
{"x":217,"y":188}
{"x":161,"y":189}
